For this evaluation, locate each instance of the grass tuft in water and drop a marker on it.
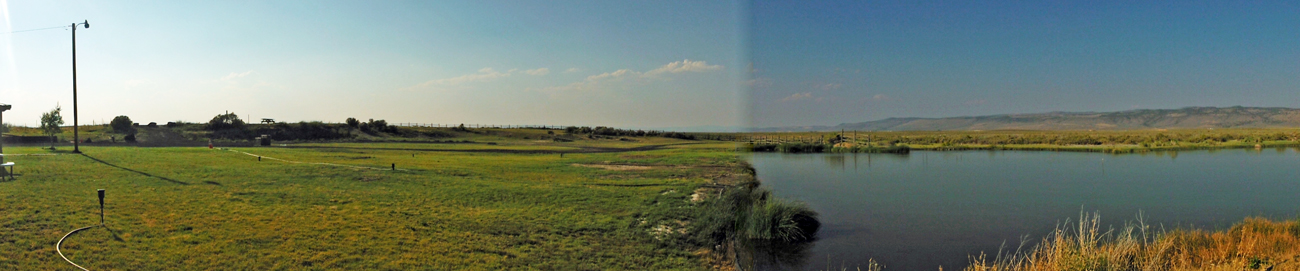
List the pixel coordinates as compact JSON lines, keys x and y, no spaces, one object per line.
{"x":752,"y":213}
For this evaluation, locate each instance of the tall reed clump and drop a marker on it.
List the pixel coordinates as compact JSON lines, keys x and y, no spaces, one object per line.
{"x":1253,"y":244}
{"x":752,"y":213}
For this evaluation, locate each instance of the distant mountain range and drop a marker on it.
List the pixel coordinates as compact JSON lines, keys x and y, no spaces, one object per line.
{"x":1184,"y":118}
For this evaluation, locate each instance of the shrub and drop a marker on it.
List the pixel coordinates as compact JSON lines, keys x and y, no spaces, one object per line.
{"x":227,"y":121}
{"x":122,"y":125}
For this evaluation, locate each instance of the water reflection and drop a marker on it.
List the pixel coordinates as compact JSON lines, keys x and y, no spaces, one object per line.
{"x":769,"y":255}
{"x":919,"y":212}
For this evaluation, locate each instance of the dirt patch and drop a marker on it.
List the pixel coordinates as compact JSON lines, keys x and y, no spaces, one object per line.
{"x":353,"y":157}
{"x":639,"y":156}
{"x":614,"y":167}
{"x":369,"y":178}
{"x":700,"y":194}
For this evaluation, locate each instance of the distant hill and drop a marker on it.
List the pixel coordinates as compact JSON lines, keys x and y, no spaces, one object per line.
{"x":1184,"y":118}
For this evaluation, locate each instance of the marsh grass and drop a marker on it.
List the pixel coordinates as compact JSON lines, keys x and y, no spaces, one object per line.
{"x":750,"y":212}
{"x":1253,"y":244}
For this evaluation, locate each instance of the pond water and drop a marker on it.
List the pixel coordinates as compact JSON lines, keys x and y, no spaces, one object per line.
{"x":930,"y":209}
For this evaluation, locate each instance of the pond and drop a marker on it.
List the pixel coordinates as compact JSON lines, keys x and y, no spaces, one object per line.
{"x":930,"y":209}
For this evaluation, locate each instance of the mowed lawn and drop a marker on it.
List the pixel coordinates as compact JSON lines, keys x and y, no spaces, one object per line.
{"x":196,"y":208}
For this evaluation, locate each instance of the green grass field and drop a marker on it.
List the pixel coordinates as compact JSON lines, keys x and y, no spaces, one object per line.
{"x":444,"y":208}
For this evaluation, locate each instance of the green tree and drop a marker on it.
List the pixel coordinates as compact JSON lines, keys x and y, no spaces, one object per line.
{"x":353,"y":122}
{"x":226,"y":121}
{"x":123,"y":125}
{"x":50,"y":122}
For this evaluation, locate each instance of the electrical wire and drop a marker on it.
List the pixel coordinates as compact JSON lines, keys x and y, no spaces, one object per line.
{"x":38,"y":29}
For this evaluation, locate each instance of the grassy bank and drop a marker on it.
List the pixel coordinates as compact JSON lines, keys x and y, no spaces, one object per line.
{"x":515,"y":204}
{"x":1133,"y":141}
{"x":1110,"y":148}
{"x":1253,"y":244}
{"x":808,"y":147}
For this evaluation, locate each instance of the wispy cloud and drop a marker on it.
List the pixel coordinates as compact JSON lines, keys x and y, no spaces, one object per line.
{"x":234,"y":75}
{"x":685,"y":65}
{"x":831,"y":86}
{"x":572,"y":70}
{"x":606,"y":80}
{"x":797,"y":96}
{"x":541,"y":71}
{"x":759,"y":82}
{"x":879,"y":97}
{"x":483,"y":75}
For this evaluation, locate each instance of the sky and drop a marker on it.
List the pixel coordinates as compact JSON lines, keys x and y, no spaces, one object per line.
{"x":642,"y":64}
{"x":610,"y":63}
{"x":828,"y":63}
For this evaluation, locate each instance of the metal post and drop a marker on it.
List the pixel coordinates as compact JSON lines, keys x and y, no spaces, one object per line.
{"x":101,"y":207}
{"x":2,"y":141}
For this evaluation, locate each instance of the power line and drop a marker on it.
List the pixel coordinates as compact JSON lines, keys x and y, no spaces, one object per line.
{"x":35,"y":29}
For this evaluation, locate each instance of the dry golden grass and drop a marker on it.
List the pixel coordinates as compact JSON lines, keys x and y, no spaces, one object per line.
{"x":1253,"y":244}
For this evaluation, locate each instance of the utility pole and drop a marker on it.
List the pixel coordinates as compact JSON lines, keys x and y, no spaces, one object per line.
{"x":76,"y":138}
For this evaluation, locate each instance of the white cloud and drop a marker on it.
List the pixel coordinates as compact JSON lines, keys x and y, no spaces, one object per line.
{"x":684,"y":66}
{"x":612,"y":75}
{"x":599,"y":81}
{"x":879,"y":97}
{"x":797,"y":96}
{"x":831,"y":86}
{"x":572,"y":70}
{"x":541,"y":71}
{"x":234,"y":75}
{"x":759,"y":82}
{"x":483,"y":75}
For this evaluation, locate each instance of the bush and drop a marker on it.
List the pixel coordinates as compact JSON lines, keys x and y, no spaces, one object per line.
{"x":353,"y":122}
{"x":302,"y":131}
{"x":227,"y":121}
{"x":122,"y":125}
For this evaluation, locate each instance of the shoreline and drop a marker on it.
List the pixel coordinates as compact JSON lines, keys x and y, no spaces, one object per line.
{"x":1112,"y":149}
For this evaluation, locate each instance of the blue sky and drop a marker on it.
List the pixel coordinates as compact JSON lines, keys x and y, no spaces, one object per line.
{"x":644,"y":63}
{"x":838,"y":62}
{"x":628,"y":64}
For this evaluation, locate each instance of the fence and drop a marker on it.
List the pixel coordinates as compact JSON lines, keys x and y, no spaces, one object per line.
{"x":470,"y":125}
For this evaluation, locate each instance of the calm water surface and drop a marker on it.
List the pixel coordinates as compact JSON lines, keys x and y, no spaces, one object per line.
{"x":931,"y":209}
